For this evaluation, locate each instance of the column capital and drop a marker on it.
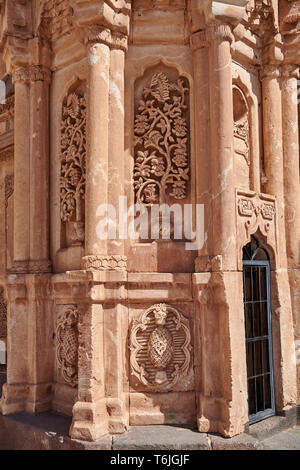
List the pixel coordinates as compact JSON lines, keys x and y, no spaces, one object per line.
{"x":198,"y":40}
{"x":290,"y":71}
{"x":267,"y":72}
{"x":101,"y":34}
{"x":219,"y":32}
{"x":32,"y":73}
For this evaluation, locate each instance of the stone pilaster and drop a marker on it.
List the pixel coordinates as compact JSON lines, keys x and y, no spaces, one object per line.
{"x":102,"y":405}
{"x":290,"y":76}
{"x":31,"y":170}
{"x":222,"y":169}
{"x":282,"y":318}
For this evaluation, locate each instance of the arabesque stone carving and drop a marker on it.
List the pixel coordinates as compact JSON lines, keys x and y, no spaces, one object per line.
{"x":67,"y":344}
{"x":160,"y":347}
{"x":162,"y":141}
{"x":73,"y":161}
{"x":256,"y":211}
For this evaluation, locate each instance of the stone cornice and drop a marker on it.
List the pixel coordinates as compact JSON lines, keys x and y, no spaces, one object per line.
{"x":32,"y":73}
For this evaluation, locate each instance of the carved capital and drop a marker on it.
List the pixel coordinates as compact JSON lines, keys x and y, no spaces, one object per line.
{"x":32,"y":73}
{"x":290,"y":71}
{"x":269,"y":72}
{"x":113,"y":39}
{"x":219,"y":32}
{"x":198,"y":40}
{"x":105,"y":263}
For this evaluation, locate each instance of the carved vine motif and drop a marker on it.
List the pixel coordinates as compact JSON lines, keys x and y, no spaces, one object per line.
{"x":241,"y":133}
{"x":160,"y":347}
{"x":161,"y":141}
{"x":67,"y":344}
{"x":3,"y":315}
{"x":73,"y":160}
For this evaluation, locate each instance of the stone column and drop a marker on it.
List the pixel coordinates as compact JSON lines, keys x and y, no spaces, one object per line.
{"x":100,"y":407}
{"x":222,"y":168}
{"x":21,"y":170}
{"x":282,"y":319}
{"x":115,"y":315}
{"x":290,"y":75}
{"x":39,"y":169}
{"x":97,"y":143}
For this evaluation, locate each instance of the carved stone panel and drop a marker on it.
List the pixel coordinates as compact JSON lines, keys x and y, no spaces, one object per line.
{"x":67,"y":343}
{"x":73,"y":169}
{"x":255,"y":211}
{"x":160,"y":348}
{"x":161,"y":129}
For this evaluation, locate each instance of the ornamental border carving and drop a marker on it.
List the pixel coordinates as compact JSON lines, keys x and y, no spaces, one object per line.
{"x":255,"y":211}
{"x":67,"y":343}
{"x":32,"y":73}
{"x":168,"y":355}
{"x":105,"y":263}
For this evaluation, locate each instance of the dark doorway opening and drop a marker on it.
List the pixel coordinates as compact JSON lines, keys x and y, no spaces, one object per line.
{"x":258,"y":326}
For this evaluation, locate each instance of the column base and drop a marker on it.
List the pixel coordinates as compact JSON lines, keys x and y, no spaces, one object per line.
{"x":118,"y":421}
{"x":14,"y":397}
{"x":90,"y":421}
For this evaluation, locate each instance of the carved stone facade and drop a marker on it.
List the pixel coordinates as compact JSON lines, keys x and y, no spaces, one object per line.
{"x":184,"y":105}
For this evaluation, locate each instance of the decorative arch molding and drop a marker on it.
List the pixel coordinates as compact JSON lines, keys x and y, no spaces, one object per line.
{"x":255,"y":212}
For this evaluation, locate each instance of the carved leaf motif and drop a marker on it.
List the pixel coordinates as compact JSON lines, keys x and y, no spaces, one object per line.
{"x":73,"y":158}
{"x":161,"y":141}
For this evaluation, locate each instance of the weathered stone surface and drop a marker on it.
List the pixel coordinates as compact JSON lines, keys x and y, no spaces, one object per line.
{"x":177,"y":106}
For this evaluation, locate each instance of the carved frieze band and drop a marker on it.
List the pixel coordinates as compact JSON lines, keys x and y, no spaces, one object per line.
{"x":105,"y":263}
{"x":73,"y":164}
{"x":161,"y":133}
{"x":3,"y":315}
{"x":113,"y":39}
{"x":67,"y":343}
{"x":160,"y":347}
{"x":32,"y":73}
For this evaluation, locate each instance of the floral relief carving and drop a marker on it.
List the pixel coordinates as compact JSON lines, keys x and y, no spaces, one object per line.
{"x":67,"y":343}
{"x":3,"y":315}
{"x":241,"y":130}
{"x":161,"y":141}
{"x":160,"y":347}
{"x":73,"y":163}
{"x":256,"y":211}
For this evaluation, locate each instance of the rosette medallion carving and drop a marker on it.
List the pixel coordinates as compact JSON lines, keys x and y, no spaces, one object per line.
{"x":160,"y":347}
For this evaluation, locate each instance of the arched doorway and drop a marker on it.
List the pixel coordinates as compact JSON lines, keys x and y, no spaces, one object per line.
{"x":258,"y":329}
